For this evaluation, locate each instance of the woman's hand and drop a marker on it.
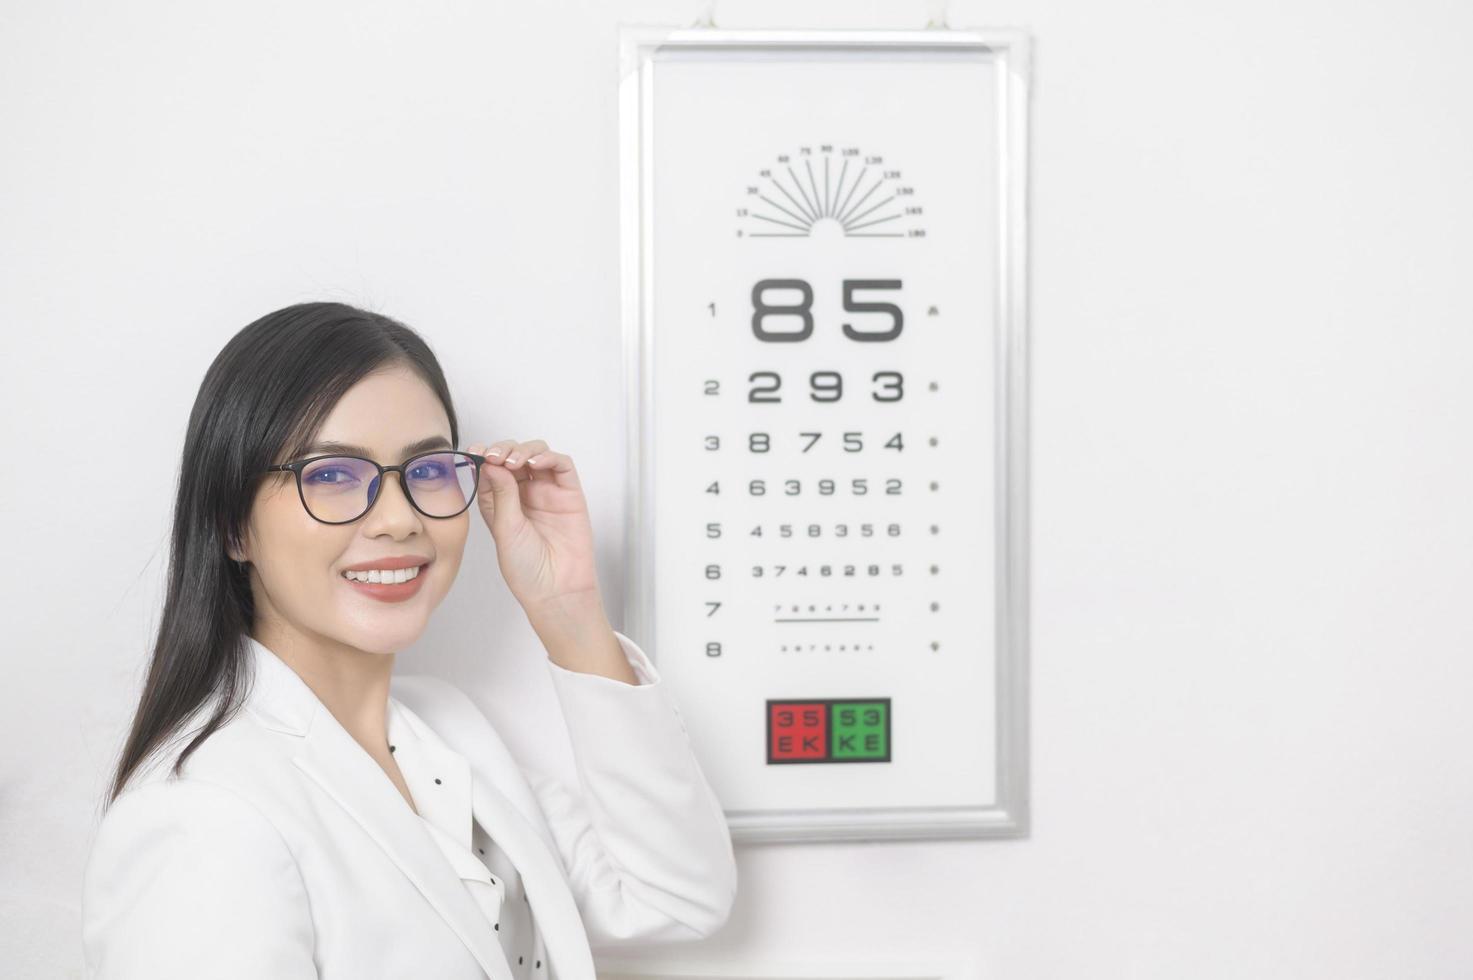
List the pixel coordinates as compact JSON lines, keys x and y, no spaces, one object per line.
{"x":533,"y":503}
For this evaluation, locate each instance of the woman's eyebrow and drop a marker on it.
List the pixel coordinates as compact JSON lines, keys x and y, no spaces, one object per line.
{"x":348,"y":449}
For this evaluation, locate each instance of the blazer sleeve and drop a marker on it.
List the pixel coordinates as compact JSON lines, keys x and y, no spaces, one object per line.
{"x":643,"y":836}
{"x":187,"y":879}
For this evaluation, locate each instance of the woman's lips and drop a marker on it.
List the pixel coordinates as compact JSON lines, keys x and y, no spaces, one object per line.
{"x":390,"y":593}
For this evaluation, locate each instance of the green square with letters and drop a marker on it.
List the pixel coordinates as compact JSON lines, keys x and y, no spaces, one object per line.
{"x":860,"y":729}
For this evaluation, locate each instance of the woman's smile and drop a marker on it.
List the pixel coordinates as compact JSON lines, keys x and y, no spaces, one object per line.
{"x":388,"y":580}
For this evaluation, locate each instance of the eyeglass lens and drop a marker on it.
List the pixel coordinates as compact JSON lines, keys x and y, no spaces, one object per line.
{"x":342,"y":488}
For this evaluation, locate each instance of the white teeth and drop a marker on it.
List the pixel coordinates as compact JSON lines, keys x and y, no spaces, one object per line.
{"x":385,"y":576}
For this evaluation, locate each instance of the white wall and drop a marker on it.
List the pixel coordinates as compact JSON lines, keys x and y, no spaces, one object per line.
{"x":1253,"y":540}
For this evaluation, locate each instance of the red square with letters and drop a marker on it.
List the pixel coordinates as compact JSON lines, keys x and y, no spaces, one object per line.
{"x":797,"y":730}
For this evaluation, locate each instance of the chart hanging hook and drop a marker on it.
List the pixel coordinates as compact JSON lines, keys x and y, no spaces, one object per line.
{"x":707,"y":17}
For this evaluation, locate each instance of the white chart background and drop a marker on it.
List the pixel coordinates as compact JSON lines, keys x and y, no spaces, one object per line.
{"x":717,"y":122}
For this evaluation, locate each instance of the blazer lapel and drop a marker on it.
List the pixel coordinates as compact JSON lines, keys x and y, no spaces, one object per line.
{"x":347,"y":774}
{"x":554,"y":911}
{"x":553,"y":908}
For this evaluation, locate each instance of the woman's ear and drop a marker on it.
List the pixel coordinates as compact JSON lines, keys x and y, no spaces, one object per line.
{"x":232,"y":548}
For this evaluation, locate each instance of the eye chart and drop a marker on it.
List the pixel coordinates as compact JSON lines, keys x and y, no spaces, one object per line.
{"x":825,"y":325}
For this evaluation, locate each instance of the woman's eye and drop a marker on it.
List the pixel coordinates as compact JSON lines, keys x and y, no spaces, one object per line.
{"x":428,"y":471}
{"x":321,"y":476}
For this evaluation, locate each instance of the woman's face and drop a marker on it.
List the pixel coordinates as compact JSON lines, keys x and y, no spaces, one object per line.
{"x":297,"y":562}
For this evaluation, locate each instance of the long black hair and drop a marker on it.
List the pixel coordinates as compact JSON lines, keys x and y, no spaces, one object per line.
{"x":263,"y":398}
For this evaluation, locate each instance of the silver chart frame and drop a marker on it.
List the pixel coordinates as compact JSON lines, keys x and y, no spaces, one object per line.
{"x":1008,"y":815}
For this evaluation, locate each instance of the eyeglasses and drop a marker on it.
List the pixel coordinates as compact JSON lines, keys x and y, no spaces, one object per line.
{"x":341,"y":489}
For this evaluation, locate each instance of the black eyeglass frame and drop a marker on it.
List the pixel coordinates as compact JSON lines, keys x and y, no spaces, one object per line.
{"x":296,"y":468}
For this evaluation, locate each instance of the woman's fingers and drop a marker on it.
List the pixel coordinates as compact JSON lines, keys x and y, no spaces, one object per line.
{"x":521,"y":450}
{"x":532,"y":459}
{"x":555,"y":468}
{"x":496,"y":451}
{"x":516,"y":459}
{"x":495,"y":454}
{"x":524,"y":459}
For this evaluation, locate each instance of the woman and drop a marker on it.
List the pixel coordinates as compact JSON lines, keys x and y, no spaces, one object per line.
{"x":328,"y":819}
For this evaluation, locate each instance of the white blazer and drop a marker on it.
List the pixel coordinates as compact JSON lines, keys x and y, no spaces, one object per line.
{"x":285,"y":852}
